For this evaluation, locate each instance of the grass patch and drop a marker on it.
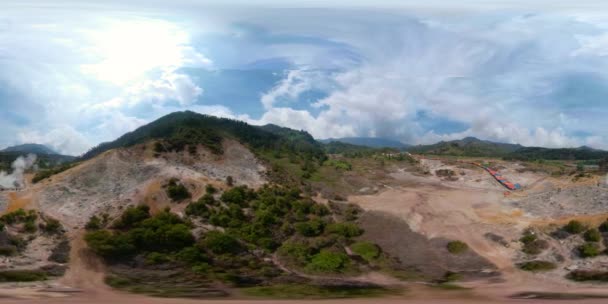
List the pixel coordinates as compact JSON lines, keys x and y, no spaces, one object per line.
{"x":295,"y":291}
{"x":22,"y":276}
{"x":537,"y":266}
{"x":588,"y":275}
{"x":366,"y":250}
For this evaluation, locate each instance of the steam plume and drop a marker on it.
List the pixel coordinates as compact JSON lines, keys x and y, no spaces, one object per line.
{"x":15,"y":179}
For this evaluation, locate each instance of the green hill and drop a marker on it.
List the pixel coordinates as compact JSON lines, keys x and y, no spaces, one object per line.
{"x":180,"y":130}
{"x":534,"y":153}
{"x":469,"y":146}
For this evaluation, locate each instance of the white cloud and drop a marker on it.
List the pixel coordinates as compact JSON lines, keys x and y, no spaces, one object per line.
{"x":592,"y":45}
{"x":64,"y":139}
{"x":294,"y":84}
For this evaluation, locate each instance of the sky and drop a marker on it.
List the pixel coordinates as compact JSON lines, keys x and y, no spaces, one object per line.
{"x":74,"y":74}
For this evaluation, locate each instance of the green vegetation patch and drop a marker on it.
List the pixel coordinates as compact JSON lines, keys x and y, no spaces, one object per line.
{"x":368,"y":251}
{"x":22,"y":276}
{"x":176,"y":191}
{"x":588,"y":275}
{"x":537,"y":266}
{"x":589,"y":250}
{"x":457,"y":247}
{"x":592,"y":235}
{"x":303,"y":291}
{"x":575,"y":227}
{"x":328,"y":261}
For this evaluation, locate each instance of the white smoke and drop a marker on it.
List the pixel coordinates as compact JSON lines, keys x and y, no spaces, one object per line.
{"x":15,"y":179}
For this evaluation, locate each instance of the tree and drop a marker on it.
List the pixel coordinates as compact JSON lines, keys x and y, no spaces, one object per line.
{"x":229,"y":181}
{"x":220,"y":243}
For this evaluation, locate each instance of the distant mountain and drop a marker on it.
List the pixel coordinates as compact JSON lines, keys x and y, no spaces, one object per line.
{"x":472,"y":146}
{"x":373,"y":142}
{"x":469,"y":146}
{"x":581,"y":153}
{"x":46,"y":157}
{"x":30,"y":148}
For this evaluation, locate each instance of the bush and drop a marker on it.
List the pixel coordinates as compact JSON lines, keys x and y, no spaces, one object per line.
{"x":30,"y":227}
{"x":220,"y":243}
{"x":528,"y":238}
{"x":311,"y":228}
{"x":457,"y":247}
{"x":589,"y":250}
{"x":191,"y":255}
{"x":238,"y":195}
{"x":592,"y":235}
{"x":209,"y":189}
{"x":366,"y":250}
{"x":328,"y":262}
{"x":94,"y":223}
{"x":535,"y":247}
{"x":229,"y":181}
{"x":176,"y":191}
{"x":156,"y":258}
{"x":536,"y":266}
{"x":296,"y":252}
{"x":110,"y":246}
{"x":604,"y":226}
{"x":574,"y":227}
{"x":133,"y":216}
{"x":52,"y":226}
{"x":347,"y":230}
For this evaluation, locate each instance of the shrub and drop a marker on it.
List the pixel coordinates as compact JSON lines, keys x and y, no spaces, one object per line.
{"x":574,"y":227}
{"x":133,"y":216}
{"x":156,"y":258}
{"x":110,"y":246}
{"x":94,"y":223}
{"x":347,"y":230}
{"x":197,"y":209}
{"x":328,"y":262}
{"x":589,"y":250}
{"x":297,"y":252}
{"x":604,"y":226}
{"x":238,"y":195}
{"x":220,"y":243}
{"x":52,"y":226}
{"x":229,"y":181}
{"x":592,"y":235}
{"x":366,"y":250}
{"x":311,"y":228}
{"x":191,"y":255}
{"x":536,"y":266}
{"x":528,"y":238}
{"x":535,"y":247}
{"x":457,"y":247}
{"x":209,"y":189}
{"x":177,"y":192}
{"x":30,"y":227}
